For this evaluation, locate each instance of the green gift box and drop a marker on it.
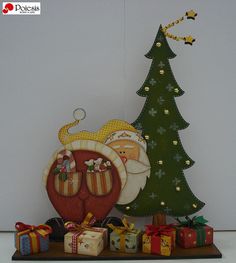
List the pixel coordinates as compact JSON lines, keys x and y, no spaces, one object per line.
{"x":125,"y":238}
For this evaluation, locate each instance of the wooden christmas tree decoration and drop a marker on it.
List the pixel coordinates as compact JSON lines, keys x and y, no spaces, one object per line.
{"x":166,"y":191}
{"x":138,"y":168}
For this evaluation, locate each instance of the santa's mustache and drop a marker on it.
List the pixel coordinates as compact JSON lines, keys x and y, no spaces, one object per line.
{"x":136,"y":167}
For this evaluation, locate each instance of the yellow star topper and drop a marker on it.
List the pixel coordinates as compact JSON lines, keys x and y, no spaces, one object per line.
{"x":191,"y":14}
{"x":189,"y":40}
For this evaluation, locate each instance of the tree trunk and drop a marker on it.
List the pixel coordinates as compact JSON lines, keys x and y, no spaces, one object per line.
{"x":159,"y":219}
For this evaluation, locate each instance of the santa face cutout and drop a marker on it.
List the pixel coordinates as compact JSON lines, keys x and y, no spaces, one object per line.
{"x":131,"y":147}
{"x":128,"y":150}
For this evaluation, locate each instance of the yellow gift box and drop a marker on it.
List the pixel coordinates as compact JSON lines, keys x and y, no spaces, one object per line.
{"x":158,"y":240}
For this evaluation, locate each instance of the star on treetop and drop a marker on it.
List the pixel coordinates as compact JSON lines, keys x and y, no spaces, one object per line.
{"x":191,"y":14}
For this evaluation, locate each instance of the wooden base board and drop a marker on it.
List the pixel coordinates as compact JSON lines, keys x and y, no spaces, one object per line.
{"x":56,"y":252}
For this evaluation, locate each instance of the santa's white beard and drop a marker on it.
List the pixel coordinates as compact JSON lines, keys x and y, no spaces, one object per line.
{"x":137,"y":174}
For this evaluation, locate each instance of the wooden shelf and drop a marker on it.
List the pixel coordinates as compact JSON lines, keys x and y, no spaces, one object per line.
{"x":56,"y":252}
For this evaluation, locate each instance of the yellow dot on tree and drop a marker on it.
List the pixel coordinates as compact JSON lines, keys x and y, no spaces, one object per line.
{"x":146,"y":88}
{"x":175,"y":142}
{"x":166,"y":112}
{"x":158,"y":44}
{"x":176,"y":90}
{"x":177,"y":188}
{"x":187,"y":162}
{"x":162,"y":72}
{"x":127,"y":208}
{"x":194,"y":205}
{"x":160,"y":162}
{"x":162,"y":203}
{"x":146,"y":137}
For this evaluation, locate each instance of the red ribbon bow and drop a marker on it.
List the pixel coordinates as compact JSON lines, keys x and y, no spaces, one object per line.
{"x":78,"y":229}
{"x":42,"y":229}
{"x":159,"y":230}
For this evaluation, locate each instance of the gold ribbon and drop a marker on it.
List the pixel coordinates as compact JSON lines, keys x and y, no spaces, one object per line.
{"x":122,"y":231}
{"x":87,"y":223}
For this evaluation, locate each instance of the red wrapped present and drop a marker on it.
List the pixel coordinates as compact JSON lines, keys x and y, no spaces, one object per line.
{"x":159,"y":240}
{"x":194,"y":233}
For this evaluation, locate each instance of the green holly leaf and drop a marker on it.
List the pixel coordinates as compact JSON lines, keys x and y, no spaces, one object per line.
{"x":56,"y":171}
{"x":63,"y":177}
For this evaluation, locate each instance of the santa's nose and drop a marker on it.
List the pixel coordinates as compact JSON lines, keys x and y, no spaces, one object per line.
{"x":124,"y":159}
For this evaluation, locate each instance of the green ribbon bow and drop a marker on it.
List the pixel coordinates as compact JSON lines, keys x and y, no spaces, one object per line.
{"x":194,"y":222}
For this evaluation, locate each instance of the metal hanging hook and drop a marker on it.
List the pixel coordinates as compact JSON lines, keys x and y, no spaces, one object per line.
{"x":79,"y":114}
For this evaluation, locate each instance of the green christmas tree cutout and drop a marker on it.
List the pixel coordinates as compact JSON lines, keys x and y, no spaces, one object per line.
{"x":166,"y":191}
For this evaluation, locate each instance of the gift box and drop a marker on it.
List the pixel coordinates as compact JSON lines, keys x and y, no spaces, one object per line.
{"x":109,"y":220}
{"x":84,"y":239}
{"x":125,"y":238}
{"x":159,"y":240}
{"x":194,"y":233}
{"x":85,"y":243}
{"x":31,"y":239}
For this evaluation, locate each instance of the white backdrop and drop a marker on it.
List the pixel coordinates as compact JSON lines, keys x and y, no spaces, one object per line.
{"x":91,"y":54}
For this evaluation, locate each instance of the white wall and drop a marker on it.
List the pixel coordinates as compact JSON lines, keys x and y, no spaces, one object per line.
{"x":91,"y":54}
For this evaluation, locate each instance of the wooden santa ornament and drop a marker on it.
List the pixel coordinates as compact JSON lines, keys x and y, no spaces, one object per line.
{"x":91,"y":170}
